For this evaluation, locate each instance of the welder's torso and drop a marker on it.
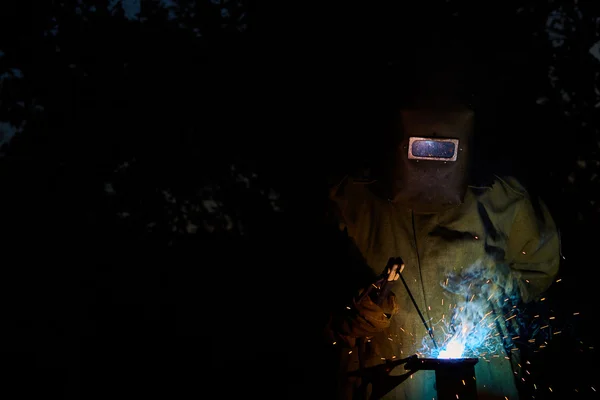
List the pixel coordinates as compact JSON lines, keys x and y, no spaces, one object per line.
{"x":431,"y":245}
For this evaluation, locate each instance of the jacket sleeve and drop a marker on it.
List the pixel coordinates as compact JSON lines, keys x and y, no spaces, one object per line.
{"x":348,"y":318}
{"x":362,"y":319}
{"x":533,"y":249}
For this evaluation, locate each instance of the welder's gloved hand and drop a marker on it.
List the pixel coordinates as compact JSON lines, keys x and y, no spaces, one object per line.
{"x":365,"y":318}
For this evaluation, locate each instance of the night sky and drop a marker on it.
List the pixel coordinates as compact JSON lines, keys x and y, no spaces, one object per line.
{"x":164,"y":171}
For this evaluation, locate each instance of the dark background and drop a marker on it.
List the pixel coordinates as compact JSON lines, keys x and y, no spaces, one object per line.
{"x":163,"y":180}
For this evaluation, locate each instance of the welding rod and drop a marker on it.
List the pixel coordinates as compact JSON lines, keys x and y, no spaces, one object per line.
{"x":429,"y":331}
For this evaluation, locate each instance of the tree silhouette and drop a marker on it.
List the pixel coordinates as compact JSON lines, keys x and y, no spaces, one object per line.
{"x":143,"y":154}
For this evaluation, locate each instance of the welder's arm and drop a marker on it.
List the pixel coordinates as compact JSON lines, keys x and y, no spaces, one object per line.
{"x":533,"y":249}
{"x":355,"y":314}
{"x":351,"y":315}
{"x":362,"y":318}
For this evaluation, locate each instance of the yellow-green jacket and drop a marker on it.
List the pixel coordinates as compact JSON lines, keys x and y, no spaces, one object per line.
{"x":485,"y":251}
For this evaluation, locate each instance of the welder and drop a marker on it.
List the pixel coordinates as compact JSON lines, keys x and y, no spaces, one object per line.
{"x":420,"y":204}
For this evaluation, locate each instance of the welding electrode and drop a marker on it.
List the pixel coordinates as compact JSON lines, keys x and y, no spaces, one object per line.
{"x":429,"y":330}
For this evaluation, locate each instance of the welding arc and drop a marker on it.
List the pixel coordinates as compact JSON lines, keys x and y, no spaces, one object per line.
{"x":429,"y":331}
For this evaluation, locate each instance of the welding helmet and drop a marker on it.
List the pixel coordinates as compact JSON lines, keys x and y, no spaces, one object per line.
{"x":432,"y":136}
{"x":431,"y":167}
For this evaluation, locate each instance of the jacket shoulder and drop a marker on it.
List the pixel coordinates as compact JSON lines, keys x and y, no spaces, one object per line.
{"x":510,"y":186}
{"x":503,"y":198}
{"x":339,"y":186}
{"x":336,"y":186}
{"x":504,"y":189}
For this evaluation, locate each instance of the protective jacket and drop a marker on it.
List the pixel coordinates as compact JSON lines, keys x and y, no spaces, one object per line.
{"x":467,"y":267}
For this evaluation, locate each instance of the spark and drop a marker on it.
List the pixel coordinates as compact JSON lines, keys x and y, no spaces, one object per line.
{"x":469,"y":330}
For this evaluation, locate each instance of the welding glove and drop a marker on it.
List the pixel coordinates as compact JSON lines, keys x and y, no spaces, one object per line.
{"x":363,"y":318}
